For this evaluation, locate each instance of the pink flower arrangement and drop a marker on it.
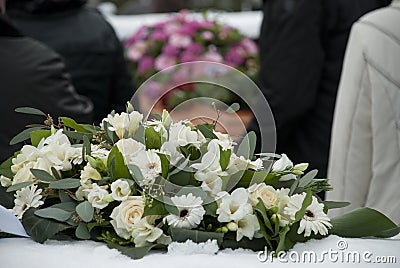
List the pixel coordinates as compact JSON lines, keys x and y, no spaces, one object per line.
{"x":181,"y":39}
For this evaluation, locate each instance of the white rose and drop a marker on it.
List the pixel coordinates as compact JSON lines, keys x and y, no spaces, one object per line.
{"x":120,"y":190}
{"x":89,"y":173}
{"x":266,"y":193}
{"x":129,"y":148}
{"x":183,"y":134}
{"x":97,"y":196}
{"x":126,"y":215}
{"x":282,"y":164}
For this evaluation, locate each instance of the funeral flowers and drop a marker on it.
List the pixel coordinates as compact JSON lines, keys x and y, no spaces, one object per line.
{"x":138,"y":184}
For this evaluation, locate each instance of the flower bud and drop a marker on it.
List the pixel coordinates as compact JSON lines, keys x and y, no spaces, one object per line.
{"x":301,"y":166}
{"x":224,"y":230}
{"x":232,"y":226}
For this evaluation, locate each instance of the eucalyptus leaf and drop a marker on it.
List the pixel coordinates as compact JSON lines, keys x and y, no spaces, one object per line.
{"x":247,"y":146}
{"x":19,"y":186}
{"x":42,"y":175}
{"x":206,"y":131}
{"x":85,"y":210}
{"x":64,"y":197}
{"x":133,"y":252}
{"x":307,"y":179}
{"x":22,"y":136}
{"x":53,"y":213}
{"x":82,"y":231}
{"x":41,"y":229}
{"x":6,"y":198}
{"x":68,"y":183}
{"x":55,"y":173}
{"x":335,"y":204}
{"x":29,"y":110}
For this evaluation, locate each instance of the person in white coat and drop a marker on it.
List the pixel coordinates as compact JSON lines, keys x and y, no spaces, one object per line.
{"x":364,"y":165}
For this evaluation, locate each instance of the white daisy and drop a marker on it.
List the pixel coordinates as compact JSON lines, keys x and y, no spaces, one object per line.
{"x":26,"y":198}
{"x":314,"y":219}
{"x":191,"y":211}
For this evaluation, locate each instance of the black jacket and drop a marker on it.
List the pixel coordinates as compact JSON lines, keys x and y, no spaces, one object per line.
{"x":302,"y":46}
{"x":33,"y":75}
{"x":92,"y":52}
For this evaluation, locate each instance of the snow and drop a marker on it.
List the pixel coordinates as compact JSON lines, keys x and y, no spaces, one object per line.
{"x":23,"y":252}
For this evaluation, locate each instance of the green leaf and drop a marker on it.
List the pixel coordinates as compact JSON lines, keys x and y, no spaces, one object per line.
{"x":82,"y":231}
{"x":155,"y":208}
{"x":18,"y":186}
{"x":255,"y":244}
{"x":206,"y":131}
{"x":211,"y":209}
{"x":85,"y":210}
{"x":86,"y":146}
{"x":152,"y":138}
{"x":67,"y":206}
{"x":29,"y":110}
{"x":225,"y":156}
{"x":5,"y":168}
{"x":157,"y":117}
{"x":68,"y":183}
{"x":247,"y":146}
{"x":41,"y":229}
{"x":282,"y":237}
{"x":6,"y":199}
{"x":164,"y":165}
{"x":335,"y":204}
{"x":260,"y":208}
{"x":181,"y":235}
{"x":64,"y":197}
{"x":24,"y":135}
{"x":53,"y":213}
{"x":42,"y":175}
{"x":116,"y":165}
{"x":76,"y":135}
{"x":363,"y":222}
{"x":250,"y":177}
{"x":55,"y":173}
{"x":306,"y":202}
{"x":133,"y":252}
{"x":307,"y":179}
{"x":233,"y":108}
{"x":294,"y":187}
{"x":69,"y":122}
{"x":38,"y":135}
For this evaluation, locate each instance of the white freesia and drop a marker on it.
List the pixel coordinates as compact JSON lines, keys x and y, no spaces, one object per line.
{"x":4,"y":181}
{"x":191,"y":212}
{"x":89,"y":173}
{"x":170,"y":148}
{"x":284,"y":198}
{"x":239,"y":163}
{"x":282,"y":163}
{"x":210,"y":162}
{"x":126,"y":215}
{"x":24,"y":174}
{"x":211,"y":182}
{"x":25,"y":198}
{"x":314,"y":220}
{"x":96,"y":151}
{"x":224,"y":140}
{"x":149,"y":164}
{"x":234,"y":206}
{"x":120,"y":190}
{"x":247,"y":227}
{"x":97,"y":196}
{"x":145,"y":233}
{"x":182,"y":133}
{"x":124,"y":124}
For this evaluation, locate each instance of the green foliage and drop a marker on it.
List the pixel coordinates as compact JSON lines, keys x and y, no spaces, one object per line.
{"x":82,"y":231}
{"x":152,"y":138}
{"x":29,"y":110}
{"x":181,"y":235}
{"x":19,"y":186}
{"x":68,"y":183}
{"x":53,"y":213}
{"x":38,"y":135}
{"x":24,"y":135}
{"x":85,"y":211}
{"x":41,"y":229}
{"x":116,"y":165}
{"x":68,"y":122}
{"x":42,"y":175}
{"x":247,"y":146}
{"x":225,"y":156}
{"x":207,"y":131}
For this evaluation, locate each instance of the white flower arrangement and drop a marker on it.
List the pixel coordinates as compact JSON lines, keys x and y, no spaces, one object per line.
{"x":145,"y":184}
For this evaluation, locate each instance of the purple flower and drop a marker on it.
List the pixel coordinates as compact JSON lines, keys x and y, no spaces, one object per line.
{"x":235,"y":56}
{"x":163,"y":61}
{"x":159,"y":35}
{"x":195,"y":48}
{"x":250,"y":46}
{"x":145,"y":64}
{"x":139,"y":35}
{"x":207,"y":35}
{"x":136,"y":50}
{"x":180,"y":40}
{"x":189,"y":28}
{"x":213,"y":56}
{"x":153,"y":90}
{"x":170,"y":50}
{"x":187,"y":56}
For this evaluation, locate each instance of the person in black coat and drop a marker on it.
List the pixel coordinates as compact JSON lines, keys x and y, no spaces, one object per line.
{"x":302,"y":46}
{"x":92,"y":52}
{"x":33,"y":75}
